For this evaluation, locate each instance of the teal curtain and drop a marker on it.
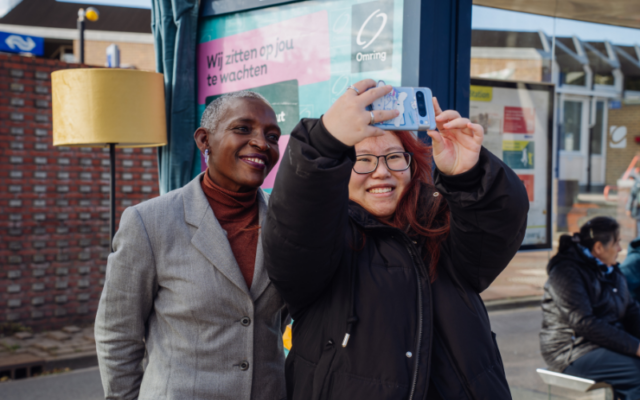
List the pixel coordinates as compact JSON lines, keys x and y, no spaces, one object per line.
{"x":174,"y":24}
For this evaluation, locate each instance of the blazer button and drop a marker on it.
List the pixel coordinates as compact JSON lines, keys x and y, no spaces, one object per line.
{"x":246,"y":321}
{"x":244,"y":365}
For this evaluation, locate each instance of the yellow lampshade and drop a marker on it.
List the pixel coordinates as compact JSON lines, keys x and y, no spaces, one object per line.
{"x":93,"y":107}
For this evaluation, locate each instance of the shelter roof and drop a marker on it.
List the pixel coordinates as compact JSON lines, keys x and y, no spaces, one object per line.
{"x":612,"y":12}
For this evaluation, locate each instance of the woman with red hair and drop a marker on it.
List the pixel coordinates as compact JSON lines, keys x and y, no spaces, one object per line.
{"x":381,"y":265}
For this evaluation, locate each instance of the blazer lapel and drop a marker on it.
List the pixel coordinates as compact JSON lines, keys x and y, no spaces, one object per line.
{"x":260,"y":277}
{"x":210,"y":239}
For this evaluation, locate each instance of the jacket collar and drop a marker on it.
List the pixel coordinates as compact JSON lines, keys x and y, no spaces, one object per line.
{"x":366,"y":220}
{"x":211,"y":240}
{"x":573,"y":253}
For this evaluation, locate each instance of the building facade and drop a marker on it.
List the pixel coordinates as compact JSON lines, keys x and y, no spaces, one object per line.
{"x":597,"y":93}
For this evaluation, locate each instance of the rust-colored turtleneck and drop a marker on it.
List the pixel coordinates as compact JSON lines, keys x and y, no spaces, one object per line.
{"x":238,"y":215}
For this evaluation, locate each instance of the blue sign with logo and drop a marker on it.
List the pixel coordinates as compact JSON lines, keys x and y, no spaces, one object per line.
{"x":14,"y":43}
{"x":615,"y":104}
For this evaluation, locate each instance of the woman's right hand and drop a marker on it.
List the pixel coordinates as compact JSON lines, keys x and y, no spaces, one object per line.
{"x":348,"y":120}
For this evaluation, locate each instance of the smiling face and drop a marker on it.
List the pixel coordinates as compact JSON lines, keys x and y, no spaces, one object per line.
{"x":244,"y":145}
{"x":379,"y":191}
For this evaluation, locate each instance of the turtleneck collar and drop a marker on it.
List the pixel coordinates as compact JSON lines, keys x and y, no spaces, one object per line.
{"x":226,"y":197}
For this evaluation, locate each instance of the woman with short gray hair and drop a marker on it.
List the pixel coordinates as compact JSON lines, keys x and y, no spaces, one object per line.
{"x":186,"y":283}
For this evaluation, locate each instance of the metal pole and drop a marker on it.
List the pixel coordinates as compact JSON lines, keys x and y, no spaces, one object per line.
{"x":112,"y":194}
{"x":81,"y":39}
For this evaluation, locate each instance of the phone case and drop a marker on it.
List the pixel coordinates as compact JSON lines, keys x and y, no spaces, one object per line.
{"x":404,"y":100}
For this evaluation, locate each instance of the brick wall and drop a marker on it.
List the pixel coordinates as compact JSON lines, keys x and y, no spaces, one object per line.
{"x":618,"y":159}
{"x":140,"y":55}
{"x":54,"y":204}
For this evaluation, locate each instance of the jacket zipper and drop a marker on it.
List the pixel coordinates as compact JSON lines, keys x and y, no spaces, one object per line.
{"x":414,"y":383}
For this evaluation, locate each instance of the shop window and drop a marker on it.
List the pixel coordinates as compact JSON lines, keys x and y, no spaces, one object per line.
{"x":572,"y":126}
{"x":568,"y":77}
{"x":632,"y":83}
{"x":603,"y":79}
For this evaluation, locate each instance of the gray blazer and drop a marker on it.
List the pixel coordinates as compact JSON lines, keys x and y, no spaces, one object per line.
{"x":173,"y":288}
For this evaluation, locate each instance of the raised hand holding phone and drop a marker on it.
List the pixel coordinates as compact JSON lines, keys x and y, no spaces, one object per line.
{"x":456,"y":147}
{"x":348,"y":119}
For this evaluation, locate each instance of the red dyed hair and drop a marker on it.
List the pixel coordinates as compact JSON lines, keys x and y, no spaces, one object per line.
{"x":426,"y":218}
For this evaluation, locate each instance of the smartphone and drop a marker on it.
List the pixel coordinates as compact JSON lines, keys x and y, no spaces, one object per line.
{"x":415,"y":105}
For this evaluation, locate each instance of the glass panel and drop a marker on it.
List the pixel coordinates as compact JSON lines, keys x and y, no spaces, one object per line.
{"x":632,"y":83}
{"x":569,"y":77}
{"x":603,"y":79}
{"x":596,"y":134}
{"x":572,"y":126}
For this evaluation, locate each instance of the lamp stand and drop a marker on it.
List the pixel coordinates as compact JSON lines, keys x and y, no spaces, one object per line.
{"x":81,"y":40}
{"x":112,"y":194}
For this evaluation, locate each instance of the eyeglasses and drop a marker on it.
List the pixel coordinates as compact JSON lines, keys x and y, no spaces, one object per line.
{"x":367,"y":163}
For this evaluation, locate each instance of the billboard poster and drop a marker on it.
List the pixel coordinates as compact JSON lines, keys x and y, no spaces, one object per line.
{"x":301,"y":56}
{"x":518,"y":123}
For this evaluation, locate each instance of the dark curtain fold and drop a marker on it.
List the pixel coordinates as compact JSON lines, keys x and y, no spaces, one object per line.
{"x":174,"y":24}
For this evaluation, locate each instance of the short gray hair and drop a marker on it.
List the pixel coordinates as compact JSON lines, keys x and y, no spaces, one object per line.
{"x":212,"y":114}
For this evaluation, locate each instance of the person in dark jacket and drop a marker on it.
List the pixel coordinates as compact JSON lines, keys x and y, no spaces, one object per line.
{"x":380,"y":265}
{"x":591,"y":324}
{"x":630,"y":267}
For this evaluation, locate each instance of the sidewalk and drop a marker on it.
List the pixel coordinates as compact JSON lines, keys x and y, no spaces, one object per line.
{"x":24,"y":354}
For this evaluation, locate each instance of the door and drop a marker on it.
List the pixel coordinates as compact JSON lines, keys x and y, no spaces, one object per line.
{"x":573,"y":133}
{"x":598,"y":145}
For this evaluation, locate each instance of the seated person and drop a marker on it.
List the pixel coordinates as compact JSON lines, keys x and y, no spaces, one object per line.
{"x":630,"y":267}
{"x":591,"y":324}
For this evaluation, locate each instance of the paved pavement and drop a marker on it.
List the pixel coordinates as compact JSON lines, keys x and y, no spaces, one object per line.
{"x":82,"y":384}
{"x":517,"y":335}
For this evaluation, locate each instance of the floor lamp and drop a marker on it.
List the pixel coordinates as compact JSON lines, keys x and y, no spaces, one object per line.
{"x":100,"y":107}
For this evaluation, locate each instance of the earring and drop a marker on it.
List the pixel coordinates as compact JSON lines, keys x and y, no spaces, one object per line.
{"x":206,"y":156}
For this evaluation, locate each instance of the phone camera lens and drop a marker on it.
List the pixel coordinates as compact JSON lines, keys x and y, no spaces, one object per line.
{"x":422,"y":108}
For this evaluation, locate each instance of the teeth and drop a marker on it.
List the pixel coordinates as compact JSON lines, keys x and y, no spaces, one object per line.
{"x":255,"y":160}
{"x":380,"y":190}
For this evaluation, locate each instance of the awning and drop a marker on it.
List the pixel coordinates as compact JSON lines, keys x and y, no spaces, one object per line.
{"x":614,"y":12}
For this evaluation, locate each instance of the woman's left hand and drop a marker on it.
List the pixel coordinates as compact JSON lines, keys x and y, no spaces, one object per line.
{"x":456,"y":147}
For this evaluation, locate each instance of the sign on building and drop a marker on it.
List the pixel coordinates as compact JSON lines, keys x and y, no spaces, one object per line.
{"x":22,"y":44}
{"x":518,"y":123}
{"x":301,"y":56}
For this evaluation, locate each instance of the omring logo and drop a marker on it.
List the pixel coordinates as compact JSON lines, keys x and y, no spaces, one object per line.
{"x":378,"y":14}
{"x":372,"y":36}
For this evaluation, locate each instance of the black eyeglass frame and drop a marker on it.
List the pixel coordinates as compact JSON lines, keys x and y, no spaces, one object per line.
{"x":385,"y":162}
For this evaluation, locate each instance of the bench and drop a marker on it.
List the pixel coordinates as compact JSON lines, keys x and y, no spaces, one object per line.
{"x":573,"y":383}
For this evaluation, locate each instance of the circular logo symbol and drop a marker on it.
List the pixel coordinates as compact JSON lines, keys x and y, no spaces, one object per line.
{"x":366,"y":21}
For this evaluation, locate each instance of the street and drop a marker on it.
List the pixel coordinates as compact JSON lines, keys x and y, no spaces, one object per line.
{"x":83,"y":384}
{"x":517,"y":336}
{"x":516,"y":330}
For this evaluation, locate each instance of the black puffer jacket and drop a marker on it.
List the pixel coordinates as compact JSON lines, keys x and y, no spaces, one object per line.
{"x":584,"y":309}
{"x":409,"y":339}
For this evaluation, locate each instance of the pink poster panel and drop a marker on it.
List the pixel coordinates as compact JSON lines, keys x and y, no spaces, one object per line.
{"x":297,"y":48}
